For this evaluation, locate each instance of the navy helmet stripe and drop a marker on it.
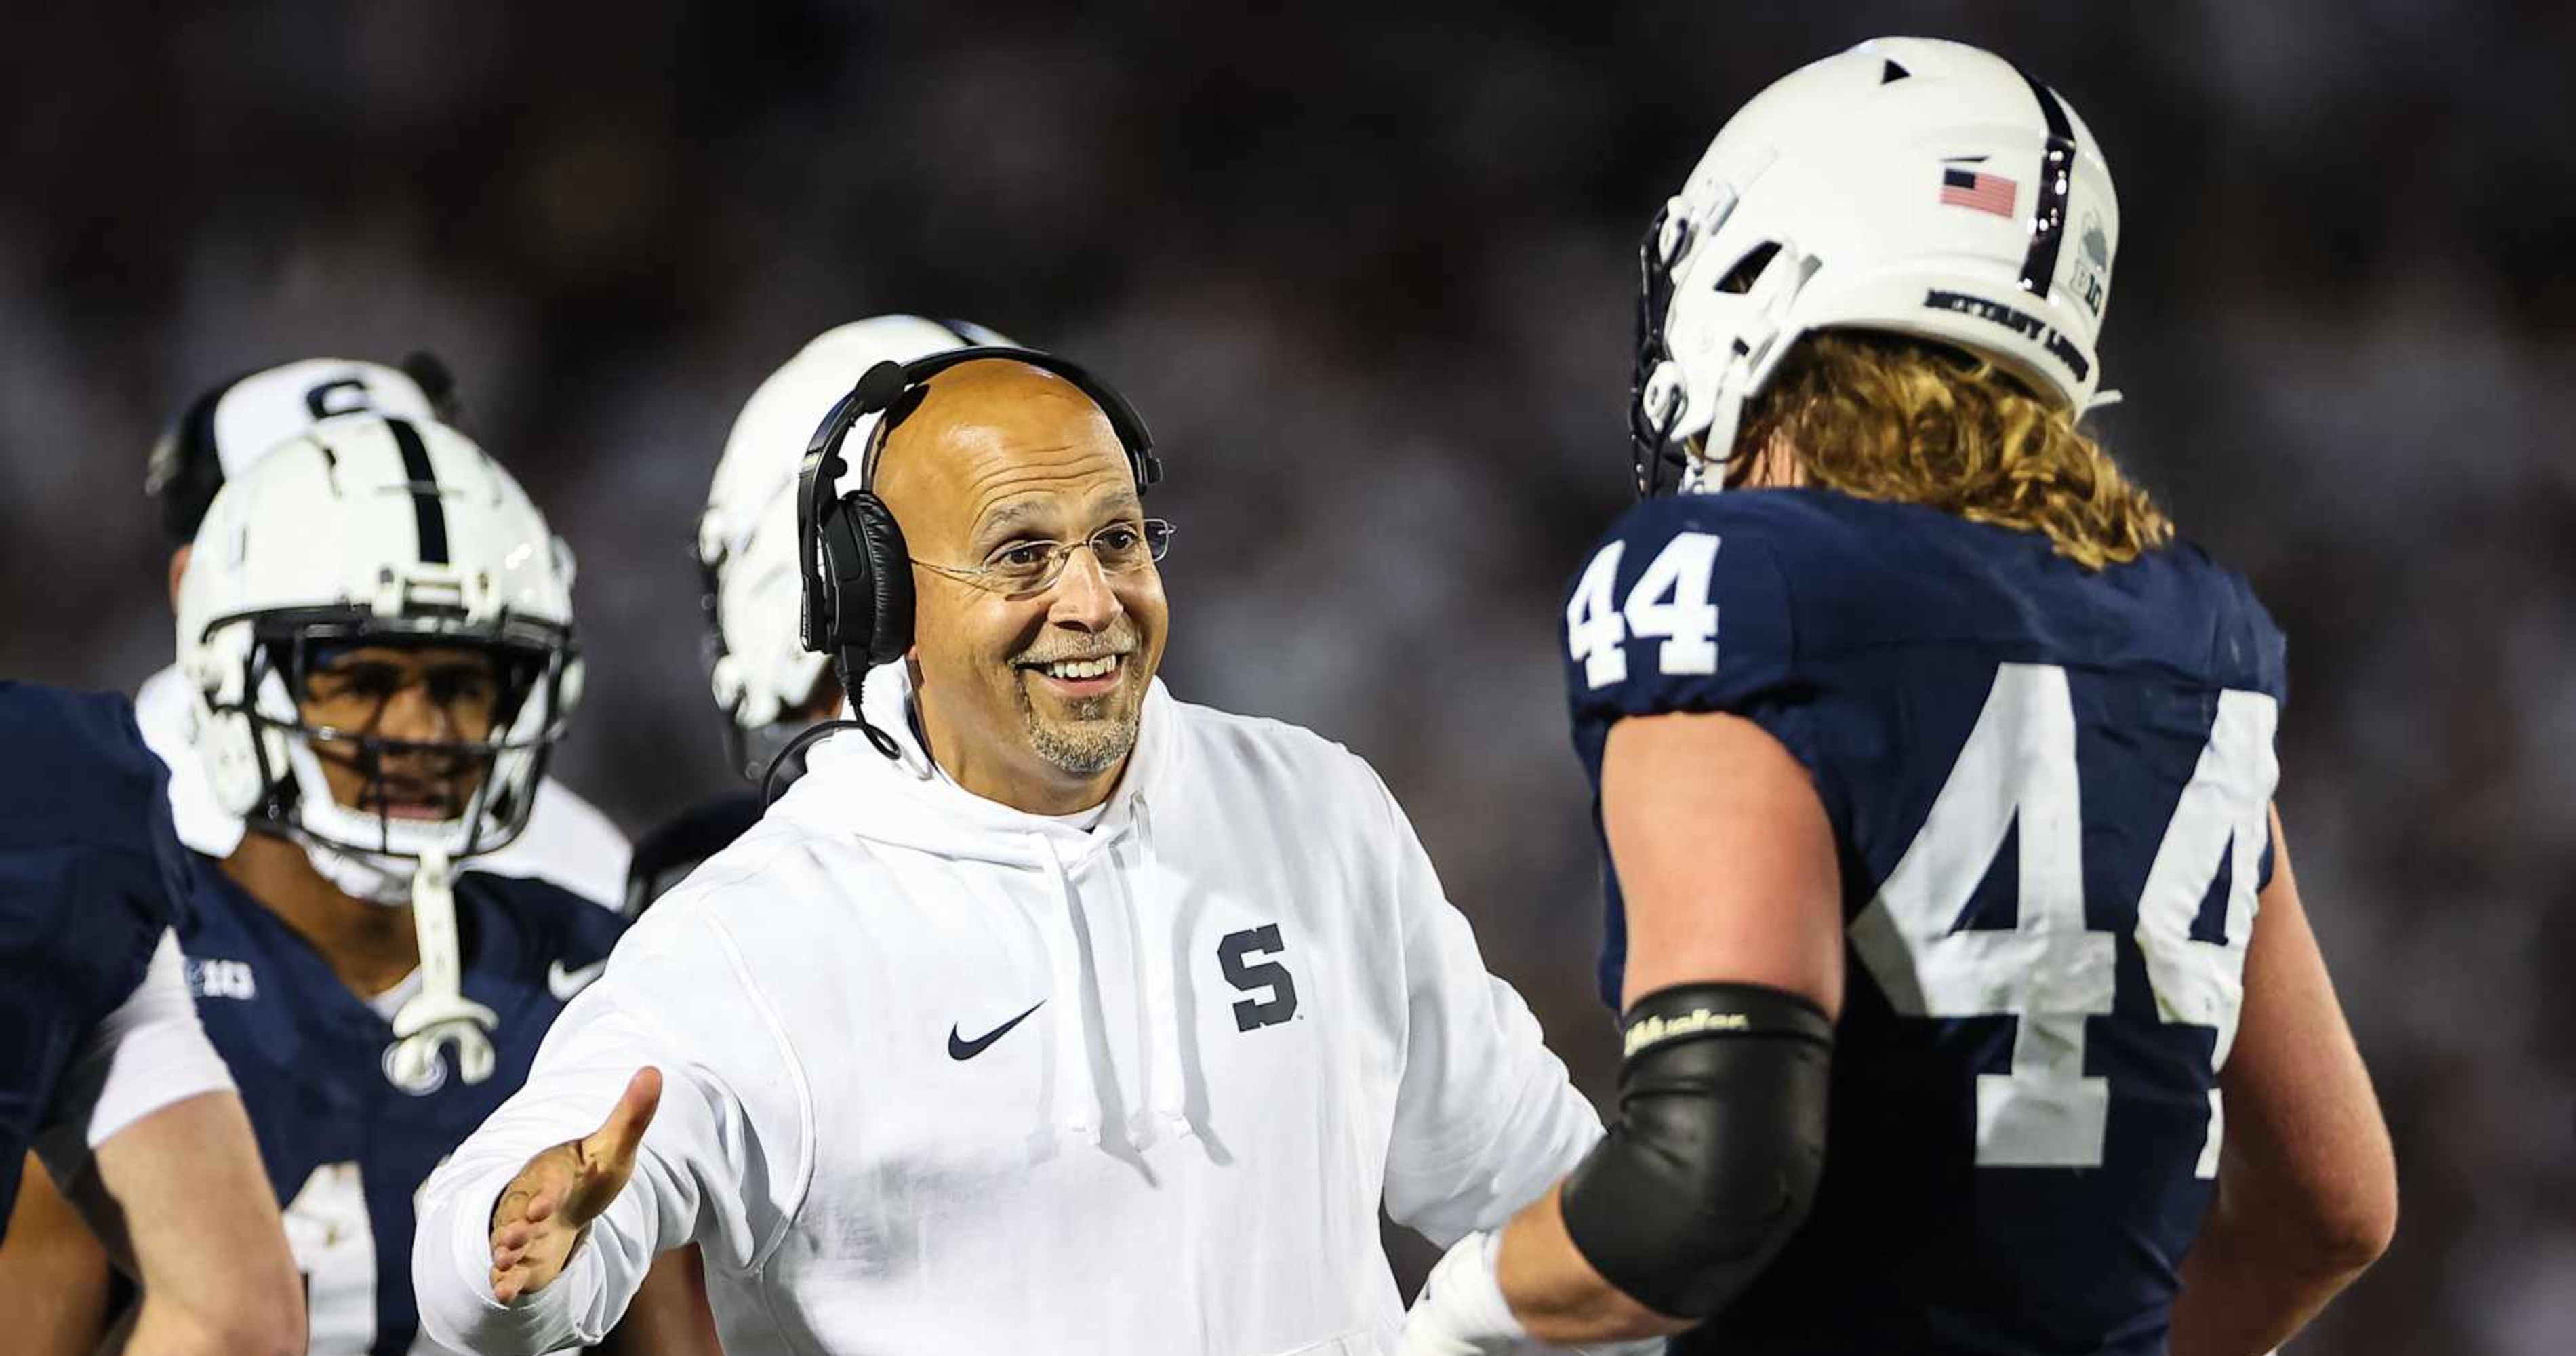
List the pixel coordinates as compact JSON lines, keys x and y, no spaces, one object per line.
{"x":426,"y":511}
{"x":2048,"y":209}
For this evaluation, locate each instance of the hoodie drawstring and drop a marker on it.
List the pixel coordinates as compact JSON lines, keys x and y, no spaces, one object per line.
{"x":1151,"y":920}
{"x":1079,"y":1092}
{"x":1158,"y":964}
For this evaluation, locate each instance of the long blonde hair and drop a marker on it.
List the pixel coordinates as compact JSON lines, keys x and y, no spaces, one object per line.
{"x":1883,"y":417}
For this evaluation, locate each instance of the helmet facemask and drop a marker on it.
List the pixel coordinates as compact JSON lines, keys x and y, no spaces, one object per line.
{"x":315,"y":720}
{"x":1683,"y":416}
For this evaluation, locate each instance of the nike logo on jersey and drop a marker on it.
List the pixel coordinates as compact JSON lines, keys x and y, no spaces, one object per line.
{"x":563,"y":983}
{"x":966,"y":1049}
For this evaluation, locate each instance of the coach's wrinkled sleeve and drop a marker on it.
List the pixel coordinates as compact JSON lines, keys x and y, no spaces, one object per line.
{"x":710,"y":1169}
{"x":1486,"y":1118}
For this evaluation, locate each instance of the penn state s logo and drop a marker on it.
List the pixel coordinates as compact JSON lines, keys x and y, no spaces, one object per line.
{"x":1236,"y":955}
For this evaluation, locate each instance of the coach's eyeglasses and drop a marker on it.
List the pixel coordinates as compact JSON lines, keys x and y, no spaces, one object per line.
{"x":1026,"y":567}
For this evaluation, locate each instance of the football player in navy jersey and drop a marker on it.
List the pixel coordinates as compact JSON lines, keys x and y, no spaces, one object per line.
{"x":105,"y":1072}
{"x":1935,"y":777}
{"x":221,"y":432}
{"x":376,"y":631}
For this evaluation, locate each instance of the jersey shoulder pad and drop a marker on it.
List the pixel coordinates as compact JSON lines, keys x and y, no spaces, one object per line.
{"x":75,"y":773}
{"x":73,"y":764}
{"x":2250,"y":651}
{"x":1681,"y":606}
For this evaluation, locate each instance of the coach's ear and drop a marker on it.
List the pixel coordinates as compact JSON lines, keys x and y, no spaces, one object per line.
{"x":178,"y":571}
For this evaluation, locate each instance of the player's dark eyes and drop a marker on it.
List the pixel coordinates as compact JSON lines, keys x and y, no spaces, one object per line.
{"x":468,"y":686}
{"x":1122,"y":539}
{"x":356,"y":680}
{"x":453,"y":686}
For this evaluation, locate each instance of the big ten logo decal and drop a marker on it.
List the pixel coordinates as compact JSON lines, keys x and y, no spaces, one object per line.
{"x":1235,"y":954}
{"x":221,"y":979}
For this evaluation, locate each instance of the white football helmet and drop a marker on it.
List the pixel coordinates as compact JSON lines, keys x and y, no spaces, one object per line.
{"x":1909,"y":185}
{"x":229,"y":426}
{"x":372,"y":530}
{"x":760,"y":670}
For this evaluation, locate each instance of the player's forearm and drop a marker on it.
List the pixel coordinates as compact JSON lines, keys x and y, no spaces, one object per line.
{"x":164,"y":1328}
{"x":185,"y":1187}
{"x":53,"y":1274}
{"x":1557,"y":1295}
{"x":2248,"y":1285}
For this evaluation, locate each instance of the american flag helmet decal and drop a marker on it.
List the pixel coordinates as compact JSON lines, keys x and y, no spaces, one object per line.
{"x":1976,"y":189}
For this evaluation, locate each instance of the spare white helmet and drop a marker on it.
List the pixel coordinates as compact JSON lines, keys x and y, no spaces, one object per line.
{"x":232,"y":423}
{"x":372,"y":530}
{"x":760,"y":669}
{"x":1909,"y":185}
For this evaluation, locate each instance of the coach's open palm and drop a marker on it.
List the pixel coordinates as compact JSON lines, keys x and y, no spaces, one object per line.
{"x":540,"y":1218}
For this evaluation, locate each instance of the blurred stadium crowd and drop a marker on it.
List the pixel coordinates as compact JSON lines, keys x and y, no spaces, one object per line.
{"x":1370,"y":278}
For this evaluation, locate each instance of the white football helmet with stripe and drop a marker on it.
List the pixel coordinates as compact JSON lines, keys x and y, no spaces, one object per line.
{"x":761,"y":671}
{"x":1909,"y":185}
{"x":372,"y":529}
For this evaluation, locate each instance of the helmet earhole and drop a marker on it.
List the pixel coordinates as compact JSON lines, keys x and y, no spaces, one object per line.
{"x":1739,"y":279}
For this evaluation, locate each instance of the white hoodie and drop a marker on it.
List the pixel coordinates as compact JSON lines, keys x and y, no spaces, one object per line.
{"x":1243,"y":1012}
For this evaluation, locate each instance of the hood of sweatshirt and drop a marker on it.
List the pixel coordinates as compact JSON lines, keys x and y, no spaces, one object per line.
{"x":907,"y":802}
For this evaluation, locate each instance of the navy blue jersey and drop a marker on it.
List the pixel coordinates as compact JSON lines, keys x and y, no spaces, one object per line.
{"x":2049,"y":791}
{"x":345,"y":1148}
{"x":91,"y":873}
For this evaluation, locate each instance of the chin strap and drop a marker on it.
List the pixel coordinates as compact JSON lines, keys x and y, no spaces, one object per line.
{"x":366,"y":876}
{"x":439,"y":1014}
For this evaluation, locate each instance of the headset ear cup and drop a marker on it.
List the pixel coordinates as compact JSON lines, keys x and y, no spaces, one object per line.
{"x":888,"y":586}
{"x":839,"y":582}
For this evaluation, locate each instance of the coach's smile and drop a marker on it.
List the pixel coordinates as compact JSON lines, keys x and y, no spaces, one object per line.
{"x":1081,"y":675}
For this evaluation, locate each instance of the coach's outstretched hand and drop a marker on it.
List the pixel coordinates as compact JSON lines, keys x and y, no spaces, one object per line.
{"x":540,"y":1218}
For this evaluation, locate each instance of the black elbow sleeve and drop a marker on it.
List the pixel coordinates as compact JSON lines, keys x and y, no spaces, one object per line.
{"x":1717,"y":1150}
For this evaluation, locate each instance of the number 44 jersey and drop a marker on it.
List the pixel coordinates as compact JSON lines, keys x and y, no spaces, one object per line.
{"x":2049,"y":791}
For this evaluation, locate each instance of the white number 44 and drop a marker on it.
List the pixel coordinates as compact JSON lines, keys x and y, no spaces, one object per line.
{"x":2050,"y":970}
{"x":1668,"y":602}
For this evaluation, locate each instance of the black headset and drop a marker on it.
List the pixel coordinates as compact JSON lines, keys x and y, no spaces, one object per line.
{"x":855,"y":570}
